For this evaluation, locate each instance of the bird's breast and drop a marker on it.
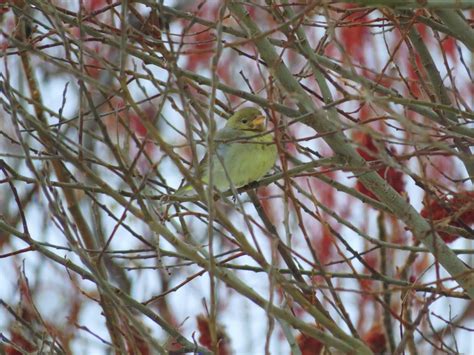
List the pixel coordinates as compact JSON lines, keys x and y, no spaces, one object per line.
{"x":243,"y":161}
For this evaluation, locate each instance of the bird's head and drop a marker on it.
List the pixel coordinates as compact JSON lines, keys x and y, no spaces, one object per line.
{"x":247,"y":119}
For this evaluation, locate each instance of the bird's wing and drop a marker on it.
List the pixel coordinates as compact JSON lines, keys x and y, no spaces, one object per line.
{"x":227,"y":135}
{"x":222,"y":140}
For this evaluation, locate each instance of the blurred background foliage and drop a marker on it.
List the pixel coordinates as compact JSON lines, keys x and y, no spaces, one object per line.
{"x":358,"y":240}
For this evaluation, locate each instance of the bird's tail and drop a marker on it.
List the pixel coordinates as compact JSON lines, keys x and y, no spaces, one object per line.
{"x":184,"y":190}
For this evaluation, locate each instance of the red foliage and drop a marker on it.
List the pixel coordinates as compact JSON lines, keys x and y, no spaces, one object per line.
{"x":21,"y":342}
{"x":264,"y":194}
{"x":174,"y":346}
{"x":422,"y":263}
{"x":138,"y":345}
{"x":93,"y":67}
{"x":309,"y":345}
{"x":224,"y":72}
{"x":201,"y":49}
{"x":205,"y":336}
{"x":325,"y":194}
{"x":423,"y":30}
{"x":137,"y":125}
{"x":414,"y":76}
{"x":366,"y":284}
{"x":355,"y":35}
{"x":324,"y":244}
{"x":290,"y":145}
{"x":367,"y":142}
{"x":375,"y":339}
{"x":458,"y":209}
{"x":27,"y":313}
{"x":93,"y":5}
{"x":136,"y":122}
{"x":393,"y":177}
{"x":384,"y":78}
{"x":449,"y":47}
{"x":371,"y":260}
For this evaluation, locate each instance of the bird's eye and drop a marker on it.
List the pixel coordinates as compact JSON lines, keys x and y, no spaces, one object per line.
{"x":244,"y":121}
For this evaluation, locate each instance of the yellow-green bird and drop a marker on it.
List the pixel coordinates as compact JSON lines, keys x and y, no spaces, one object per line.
{"x":243,"y":152}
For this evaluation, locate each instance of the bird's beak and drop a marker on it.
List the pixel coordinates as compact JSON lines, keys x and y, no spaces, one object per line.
{"x":258,"y":123}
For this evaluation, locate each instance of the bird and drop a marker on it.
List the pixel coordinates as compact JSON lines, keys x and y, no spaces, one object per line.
{"x":244,"y":153}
